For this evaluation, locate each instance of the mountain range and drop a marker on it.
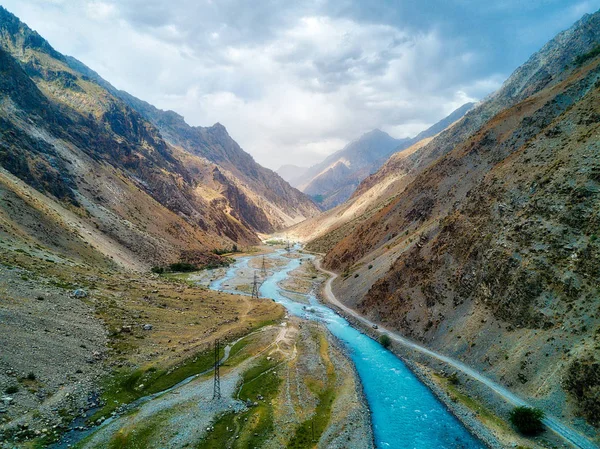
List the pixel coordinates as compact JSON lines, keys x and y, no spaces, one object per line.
{"x":477,"y":238}
{"x":334,"y":180}
{"x":146,"y":187}
{"x":480,"y":241}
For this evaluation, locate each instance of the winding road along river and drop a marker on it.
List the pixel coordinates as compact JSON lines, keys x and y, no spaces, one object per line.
{"x":405,"y":413}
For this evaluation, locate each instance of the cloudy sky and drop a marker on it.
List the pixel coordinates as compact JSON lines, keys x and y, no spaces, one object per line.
{"x":296,"y":80}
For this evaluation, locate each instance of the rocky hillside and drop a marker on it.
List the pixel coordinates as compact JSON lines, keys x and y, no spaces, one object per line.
{"x":150,"y":192}
{"x":373,"y":193}
{"x":332,"y":181}
{"x":284,"y":204}
{"x":487,"y":253}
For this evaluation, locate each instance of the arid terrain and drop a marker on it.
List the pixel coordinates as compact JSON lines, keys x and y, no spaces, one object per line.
{"x":461,"y":264}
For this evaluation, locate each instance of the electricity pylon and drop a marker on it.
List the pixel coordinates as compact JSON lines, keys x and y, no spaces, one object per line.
{"x":217,"y":378}
{"x":263,"y":270}
{"x":255,"y":286}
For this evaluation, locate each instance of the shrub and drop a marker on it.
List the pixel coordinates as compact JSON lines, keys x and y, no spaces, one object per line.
{"x":183,"y":267}
{"x":158,"y":270}
{"x":385,"y":341}
{"x":370,"y":266}
{"x":31,"y":376}
{"x":12,"y":389}
{"x":221,"y":251}
{"x":527,"y":420}
{"x":453,"y":379}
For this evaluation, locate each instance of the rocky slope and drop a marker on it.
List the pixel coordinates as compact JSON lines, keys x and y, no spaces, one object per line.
{"x":153,"y":193}
{"x":373,"y":193}
{"x":486,"y":252}
{"x":283,"y":204}
{"x":332,"y":181}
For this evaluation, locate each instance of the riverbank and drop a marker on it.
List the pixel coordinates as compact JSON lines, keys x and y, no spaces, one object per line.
{"x":288,"y":385}
{"x":403,"y":408}
{"x":460,"y":411}
{"x":480,"y":399}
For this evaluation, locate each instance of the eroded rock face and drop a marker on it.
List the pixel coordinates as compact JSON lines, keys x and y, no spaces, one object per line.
{"x":583,"y":382}
{"x":486,"y":252}
{"x":142,"y":177}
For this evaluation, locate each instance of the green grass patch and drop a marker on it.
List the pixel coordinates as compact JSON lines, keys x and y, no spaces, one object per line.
{"x":221,"y":436}
{"x":237,"y":353}
{"x":315,"y":426}
{"x":483,"y":412}
{"x":275,"y":242}
{"x":255,"y":424}
{"x":124,"y":386}
{"x":310,"y":431}
{"x":63,"y":284}
{"x":139,"y":437}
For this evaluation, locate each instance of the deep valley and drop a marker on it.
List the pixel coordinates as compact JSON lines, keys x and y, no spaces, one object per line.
{"x":160,"y":288}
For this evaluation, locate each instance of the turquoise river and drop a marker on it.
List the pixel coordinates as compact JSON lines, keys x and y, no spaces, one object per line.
{"x":404,"y":412}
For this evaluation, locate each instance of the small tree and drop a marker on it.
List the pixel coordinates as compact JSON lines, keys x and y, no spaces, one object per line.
{"x":385,"y":341}
{"x":527,"y":420}
{"x":453,"y":379}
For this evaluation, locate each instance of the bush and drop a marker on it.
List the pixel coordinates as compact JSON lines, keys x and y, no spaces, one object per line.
{"x":221,"y":251}
{"x":31,"y":376}
{"x":385,"y":341}
{"x":158,"y":270}
{"x":183,"y":267}
{"x":527,"y":420}
{"x":453,"y":379}
{"x":12,"y":389}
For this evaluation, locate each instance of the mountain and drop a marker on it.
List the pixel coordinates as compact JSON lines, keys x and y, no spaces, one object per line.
{"x":373,"y":192}
{"x":438,"y":127}
{"x":334,"y":180}
{"x":285,"y":205}
{"x":146,"y":187}
{"x":485,"y":247}
{"x":291,"y":172}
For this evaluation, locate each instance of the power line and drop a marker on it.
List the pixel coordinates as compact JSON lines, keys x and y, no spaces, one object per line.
{"x":217,"y":378}
{"x":255,"y":286}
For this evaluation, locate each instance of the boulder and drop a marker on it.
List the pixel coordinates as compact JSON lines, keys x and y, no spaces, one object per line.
{"x":79,"y":293}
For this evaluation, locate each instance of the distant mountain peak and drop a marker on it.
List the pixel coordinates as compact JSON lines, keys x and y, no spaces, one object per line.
{"x":20,"y":35}
{"x":360,"y":158}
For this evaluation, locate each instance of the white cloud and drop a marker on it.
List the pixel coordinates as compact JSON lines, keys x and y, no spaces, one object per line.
{"x":100,"y":11}
{"x":290,"y":80}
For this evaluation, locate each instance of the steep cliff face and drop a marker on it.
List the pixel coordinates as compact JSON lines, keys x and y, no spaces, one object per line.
{"x":112,"y":175}
{"x":263,"y":187}
{"x":487,"y":252}
{"x":70,"y":137}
